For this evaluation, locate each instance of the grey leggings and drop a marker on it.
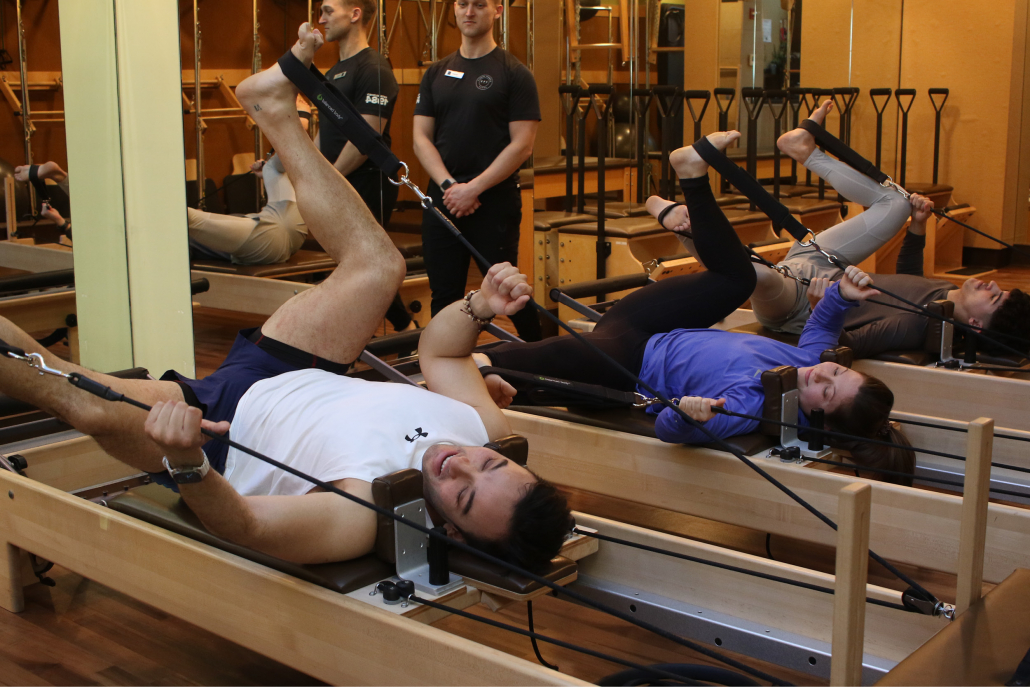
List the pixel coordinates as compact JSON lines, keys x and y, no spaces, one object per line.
{"x":782,"y":304}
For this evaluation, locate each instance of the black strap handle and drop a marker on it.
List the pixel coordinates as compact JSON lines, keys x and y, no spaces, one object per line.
{"x":875,"y":93}
{"x":905,"y":93}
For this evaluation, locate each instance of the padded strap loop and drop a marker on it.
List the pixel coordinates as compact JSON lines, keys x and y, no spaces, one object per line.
{"x":844,"y":152}
{"x":341,"y":112}
{"x":750,"y":187}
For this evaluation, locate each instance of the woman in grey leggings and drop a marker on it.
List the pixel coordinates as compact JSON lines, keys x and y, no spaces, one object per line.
{"x":781,"y":303}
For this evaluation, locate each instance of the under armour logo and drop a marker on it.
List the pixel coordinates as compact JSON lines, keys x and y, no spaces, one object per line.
{"x":418,"y":435}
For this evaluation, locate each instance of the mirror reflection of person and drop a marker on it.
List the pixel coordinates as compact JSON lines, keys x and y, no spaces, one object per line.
{"x":475,"y":124}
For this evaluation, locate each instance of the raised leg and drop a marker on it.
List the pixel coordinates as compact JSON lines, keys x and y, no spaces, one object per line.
{"x":335,"y":319}
{"x":862,"y":235}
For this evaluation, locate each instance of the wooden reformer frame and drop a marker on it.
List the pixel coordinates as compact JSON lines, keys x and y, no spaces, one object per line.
{"x":343,"y":638}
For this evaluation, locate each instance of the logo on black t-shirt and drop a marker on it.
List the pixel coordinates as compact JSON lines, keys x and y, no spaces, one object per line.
{"x":340,"y":75}
{"x":377,"y":99}
{"x":484,"y":82}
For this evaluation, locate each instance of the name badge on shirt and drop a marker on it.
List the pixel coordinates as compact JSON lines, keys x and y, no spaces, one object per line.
{"x":339,"y":76}
{"x":453,"y":74}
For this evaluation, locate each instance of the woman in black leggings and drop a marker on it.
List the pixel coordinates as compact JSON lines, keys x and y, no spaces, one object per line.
{"x":661,"y":333}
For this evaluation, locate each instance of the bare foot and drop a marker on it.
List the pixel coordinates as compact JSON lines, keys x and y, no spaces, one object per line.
{"x":677,"y":221}
{"x":47,"y":170}
{"x":269,"y":95}
{"x":689,"y":165}
{"x":798,"y":144}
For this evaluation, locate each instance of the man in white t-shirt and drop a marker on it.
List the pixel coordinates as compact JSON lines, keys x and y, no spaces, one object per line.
{"x":282,"y":389}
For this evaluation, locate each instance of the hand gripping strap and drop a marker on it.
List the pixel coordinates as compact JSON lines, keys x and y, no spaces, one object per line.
{"x":749,"y":186}
{"x":842,"y":151}
{"x":340,"y":111}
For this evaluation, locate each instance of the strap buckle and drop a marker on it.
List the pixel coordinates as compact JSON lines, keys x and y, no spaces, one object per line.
{"x":787,"y":273}
{"x":810,"y":243}
{"x":36,"y":361}
{"x":890,"y":183}
{"x":647,"y":401}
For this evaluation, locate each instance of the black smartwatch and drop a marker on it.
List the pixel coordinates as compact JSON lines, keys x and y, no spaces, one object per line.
{"x":447,"y":184}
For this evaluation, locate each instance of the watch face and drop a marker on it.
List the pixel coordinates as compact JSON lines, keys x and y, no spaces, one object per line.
{"x":190,"y":477}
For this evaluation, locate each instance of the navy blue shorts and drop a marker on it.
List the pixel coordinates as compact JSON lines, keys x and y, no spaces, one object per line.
{"x":218,"y":394}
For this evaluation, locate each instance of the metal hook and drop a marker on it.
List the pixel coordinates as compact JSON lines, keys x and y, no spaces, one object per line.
{"x":402,"y":180}
{"x":36,"y":360}
{"x":890,"y":183}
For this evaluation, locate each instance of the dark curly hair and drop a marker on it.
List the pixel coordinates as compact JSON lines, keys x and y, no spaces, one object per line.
{"x":867,"y":416}
{"x":1012,"y":319}
{"x":539,"y":523}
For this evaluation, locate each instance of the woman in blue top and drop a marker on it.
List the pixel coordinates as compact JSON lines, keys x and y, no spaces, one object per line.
{"x":661,"y":332}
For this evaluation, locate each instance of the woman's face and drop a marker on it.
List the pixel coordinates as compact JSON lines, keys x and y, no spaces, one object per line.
{"x":828,"y":386}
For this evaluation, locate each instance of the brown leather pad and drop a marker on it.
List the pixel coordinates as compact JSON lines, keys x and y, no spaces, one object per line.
{"x":159,"y":506}
{"x":395,"y":489}
{"x":618,"y":209}
{"x":301,"y":262}
{"x":626,"y":227}
{"x":983,"y":646}
{"x":774,"y":383}
{"x":551,"y":219}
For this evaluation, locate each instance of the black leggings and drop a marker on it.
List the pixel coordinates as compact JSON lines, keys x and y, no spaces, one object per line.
{"x":692,"y":301}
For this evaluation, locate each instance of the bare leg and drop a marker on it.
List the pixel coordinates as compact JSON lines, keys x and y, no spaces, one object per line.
{"x":335,"y":319}
{"x":117,"y":427}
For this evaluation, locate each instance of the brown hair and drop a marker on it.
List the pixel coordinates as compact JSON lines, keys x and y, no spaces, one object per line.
{"x":368,"y":8}
{"x":867,"y":416}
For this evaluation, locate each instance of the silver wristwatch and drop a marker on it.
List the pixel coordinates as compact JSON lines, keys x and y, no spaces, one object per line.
{"x":188,"y":475}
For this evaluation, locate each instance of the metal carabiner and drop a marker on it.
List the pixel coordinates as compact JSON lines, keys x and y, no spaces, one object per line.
{"x":35,"y":360}
{"x":890,"y":183}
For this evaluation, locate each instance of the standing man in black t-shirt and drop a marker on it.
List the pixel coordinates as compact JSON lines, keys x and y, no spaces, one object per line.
{"x":366,"y":78}
{"x":475,"y":124}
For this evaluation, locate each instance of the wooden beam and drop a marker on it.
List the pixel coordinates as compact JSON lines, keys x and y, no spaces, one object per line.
{"x":327,"y":635}
{"x":9,"y":95}
{"x":908,"y":525}
{"x":852,"y":572}
{"x":34,"y":258}
{"x":39,"y":313}
{"x":10,"y":209}
{"x":975,"y":497}
{"x":889,"y":634}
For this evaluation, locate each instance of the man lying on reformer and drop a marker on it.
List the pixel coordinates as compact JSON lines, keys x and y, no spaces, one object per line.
{"x":783,"y":304}
{"x":267,"y":237}
{"x":662,"y":333}
{"x":283,"y":390}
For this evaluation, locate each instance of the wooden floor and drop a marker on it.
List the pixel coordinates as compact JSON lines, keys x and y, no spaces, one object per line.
{"x":81,"y":633}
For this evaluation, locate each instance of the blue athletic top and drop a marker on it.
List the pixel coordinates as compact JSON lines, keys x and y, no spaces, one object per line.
{"x":716,"y":364}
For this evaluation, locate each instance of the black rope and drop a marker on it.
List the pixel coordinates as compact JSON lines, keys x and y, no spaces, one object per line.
{"x":97,"y":389}
{"x":961,"y":429}
{"x":945,"y":215}
{"x":536,"y":648}
{"x":656,"y":672}
{"x":831,"y":433}
{"x":884,"y":471}
{"x":727,"y":566}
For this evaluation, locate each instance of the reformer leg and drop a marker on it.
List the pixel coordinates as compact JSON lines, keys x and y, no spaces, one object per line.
{"x":335,"y":319}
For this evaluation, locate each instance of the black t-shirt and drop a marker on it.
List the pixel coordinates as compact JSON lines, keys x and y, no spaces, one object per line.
{"x":367,"y":80}
{"x":473,"y":102}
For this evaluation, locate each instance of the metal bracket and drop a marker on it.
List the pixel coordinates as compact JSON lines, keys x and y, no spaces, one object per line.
{"x":789,"y":435}
{"x":411,"y":548}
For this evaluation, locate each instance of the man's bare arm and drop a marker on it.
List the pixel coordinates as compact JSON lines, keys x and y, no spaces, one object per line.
{"x":312,"y":528}
{"x":445,"y":349}
{"x":350,"y":157}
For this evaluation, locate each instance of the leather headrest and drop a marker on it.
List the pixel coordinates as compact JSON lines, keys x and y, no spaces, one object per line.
{"x":513,"y":447}
{"x":389,"y":492}
{"x":944,"y":308}
{"x":774,"y":383}
{"x":842,"y":355}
